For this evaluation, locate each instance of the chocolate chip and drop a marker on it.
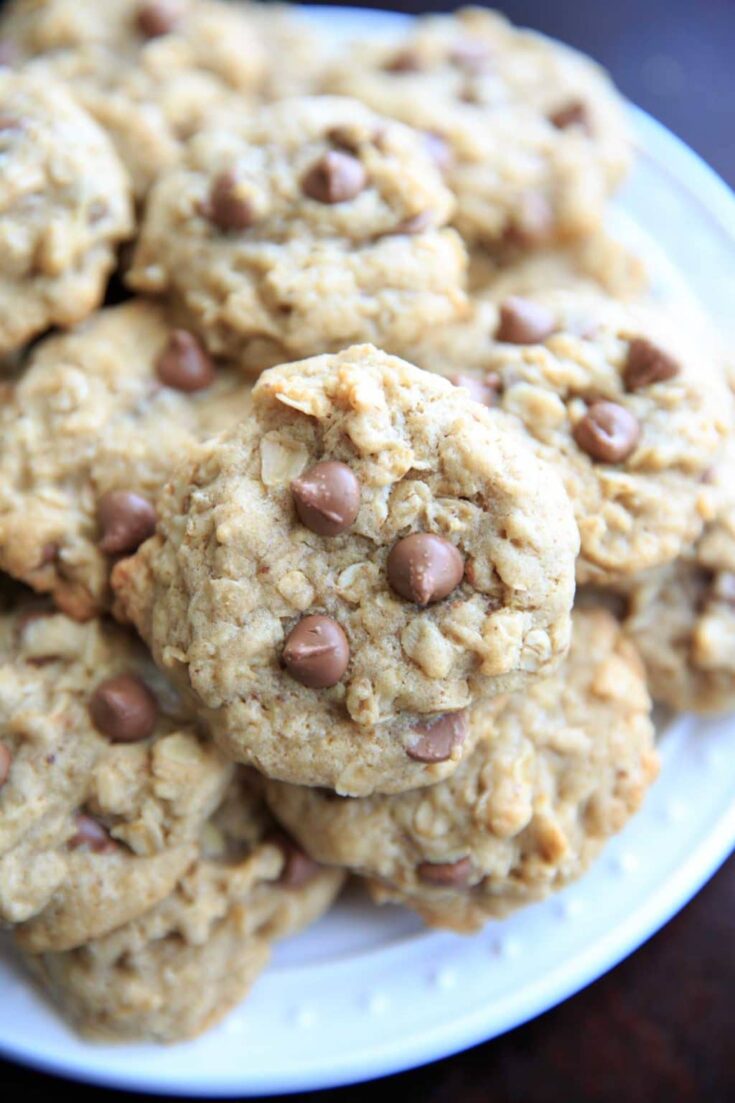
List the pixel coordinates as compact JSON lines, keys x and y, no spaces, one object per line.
{"x":646,"y":364}
{"x":608,"y":432}
{"x":450,"y":874}
{"x":298,"y":867}
{"x":49,"y":551}
{"x":10,"y":122}
{"x":574,"y":113}
{"x":439,"y":150}
{"x":334,"y":178}
{"x":483,"y":388}
{"x":424,"y":568}
{"x":436,"y":739}
{"x":523,"y":322}
{"x":184,"y":364}
{"x":91,"y":835}
{"x":225,"y":207}
{"x":471,"y":55}
{"x":317,"y":652}
{"x":124,"y":709}
{"x":6,"y":761}
{"x":416,"y":224}
{"x":404,"y":61}
{"x":327,"y":497}
{"x":126,"y":519}
{"x":157,"y":18}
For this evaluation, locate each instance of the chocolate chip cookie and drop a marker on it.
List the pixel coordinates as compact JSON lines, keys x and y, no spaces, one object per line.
{"x":557,"y":769}
{"x":65,"y":205}
{"x":335,"y":579}
{"x":531,"y":135}
{"x":301,"y":228}
{"x":177,"y":969}
{"x":88,"y":434}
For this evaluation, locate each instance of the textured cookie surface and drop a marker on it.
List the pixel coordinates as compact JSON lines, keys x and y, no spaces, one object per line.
{"x":302,"y":228}
{"x":629,"y":407}
{"x":224,"y":591}
{"x":104,"y":785}
{"x":532,"y":135}
{"x":64,"y":206}
{"x":149,"y":72}
{"x":176,"y":970}
{"x":87,"y":436}
{"x":556,"y":771}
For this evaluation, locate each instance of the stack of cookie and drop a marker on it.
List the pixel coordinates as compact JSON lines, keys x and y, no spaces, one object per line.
{"x":355,"y":507}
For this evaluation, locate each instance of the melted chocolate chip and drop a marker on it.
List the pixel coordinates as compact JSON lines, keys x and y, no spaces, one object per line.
{"x":124,"y":709}
{"x":335,"y":178}
{"x":608,"y":432}
{"x":226,"y":208}
{"x":125,"y":519}
{"x":449,"y":874}
{"x":436,"y":739}
{"x":523,"y":322}
{"x":184,"y":364}
{"x":316,"y":653}
{"x":90,"y":835}
{"x":327,"y":497}
{"x":647,"y":364}
{"x":424,"y":568}
{"x":6,"y":761}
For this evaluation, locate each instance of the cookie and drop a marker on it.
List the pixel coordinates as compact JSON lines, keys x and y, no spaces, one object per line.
{"x":65,"y":205}
{"x":335,"y":579}
{"x":104,"y":781}
{"x":629,"y":406}
{"x":176,"y":970}
{"x":682,"y":617}
{"x":532,"y":136}
{"x":149,"y":71}
{"x":302,"y":228}
{"x":87,"y":436}
{"x":557,"y":770}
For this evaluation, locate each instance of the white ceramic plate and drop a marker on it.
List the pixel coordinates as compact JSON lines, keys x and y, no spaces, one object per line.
{"x":369,"y":992}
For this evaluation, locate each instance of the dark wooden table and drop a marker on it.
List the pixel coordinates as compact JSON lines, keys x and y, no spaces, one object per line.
{"x":659,"y":1026}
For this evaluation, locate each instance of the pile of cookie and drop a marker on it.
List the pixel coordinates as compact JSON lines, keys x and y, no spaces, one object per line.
{"x":355,"y":496}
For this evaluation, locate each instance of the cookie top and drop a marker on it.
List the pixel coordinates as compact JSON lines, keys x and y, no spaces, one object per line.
{"x":556,"y":771}
{"x":338,"y":576}
{"x":87,"y":436}
{"x":532,"y":135}
{"x":682,"y":616}
{"x":104,"y":782}
{"x":629,"y":407}
{"x":302,"y":227}
{"x":148,"y":70}
{"x":178,"y":968}
{"x":64,"y":206}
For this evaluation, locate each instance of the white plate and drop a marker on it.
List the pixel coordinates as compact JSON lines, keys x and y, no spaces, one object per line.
{"x":368,"y":992}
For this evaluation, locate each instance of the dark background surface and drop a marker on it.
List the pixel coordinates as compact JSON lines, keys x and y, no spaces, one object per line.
{"x":659,"y":1026}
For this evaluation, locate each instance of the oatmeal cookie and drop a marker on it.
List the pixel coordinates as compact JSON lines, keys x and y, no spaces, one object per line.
{"x":88,"y":435}
{"x":532,"y":135}
{"x":557,"y":770}
{"x":299,"y":229}
{"x":630,"y":408}
{"x":104,"y":782}
{"x":334,"y":580}
{"x":149,"y":72}
{"x":176,"y":970}
{"x":65,"y":205}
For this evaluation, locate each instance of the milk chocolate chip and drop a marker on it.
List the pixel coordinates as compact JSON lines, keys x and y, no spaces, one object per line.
{"x":424,"y":568}
{"x":646,"y":364}
{"x":126,"y":519}
{"x":608,"y":432}
{"x":6,"y":761}
{"x":574,"y":113}
{"x":405,"y":61}
{"x":436,"y":739}
{"x":184,"y":364}
{"x":483,"y":388}
{"x":334,"y":178}
{"x":317,"y":652}
{"x":298,"y":867}
{"x":124,"y":709}
{"x":91,"y":835}
{"x":226,"y":208}
{"x":158,"y":17}
{"x":327,"y":497}
{"x":450,"y":874}
{"x":523,"y":322}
